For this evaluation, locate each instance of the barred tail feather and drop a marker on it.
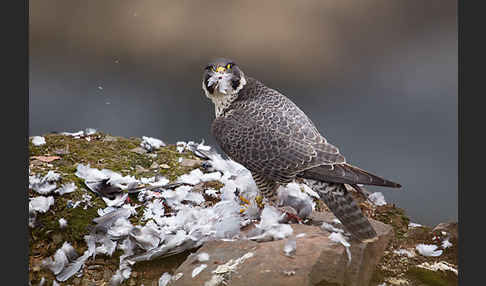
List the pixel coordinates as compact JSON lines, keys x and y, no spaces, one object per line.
{"x":344,"y":207}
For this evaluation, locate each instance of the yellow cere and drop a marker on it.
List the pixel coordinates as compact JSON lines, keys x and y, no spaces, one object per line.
{"x":220,"y":69}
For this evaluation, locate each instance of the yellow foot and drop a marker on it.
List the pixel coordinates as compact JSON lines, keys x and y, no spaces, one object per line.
{"x":259,"y":201}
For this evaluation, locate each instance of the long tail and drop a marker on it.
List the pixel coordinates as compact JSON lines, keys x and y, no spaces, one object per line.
{"x":343,"y":206}
{"x":346,"y":174}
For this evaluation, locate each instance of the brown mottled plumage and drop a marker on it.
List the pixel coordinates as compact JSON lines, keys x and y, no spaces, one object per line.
{"x":267,"y":133}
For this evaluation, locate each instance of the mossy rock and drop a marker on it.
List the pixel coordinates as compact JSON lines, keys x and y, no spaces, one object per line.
{"x":432,"y":278}
{"x":115,"y":155}
{"x":393,"y":216}
{"x":100,"y":151}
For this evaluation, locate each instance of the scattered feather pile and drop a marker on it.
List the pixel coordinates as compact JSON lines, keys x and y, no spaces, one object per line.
{"x":105,"y":182}
{"x":73,"y":267}
{"x":428,"y":250}
{"x":62,"y":223}
{"x":38,"y":140}
{"x":61,"y":258}
{"x":377,"y":199}
{"x":44,"y":185}
{"x":339,"y":238}
{"x":189,"y":224}
{"x":203,"y":257}
{"x":197,"y":176}
{"x":40,"y":204}
{"x":165,"y":279}
{"x":198,"y":270}
{"x":66,"y":189}
{"x":181,"y":146}
{"x":406,"y":252}
{"x":80,"y":133}
{"x":329,"y":227}
{"x":290,"y":247}
{"x":436,"y":266}
{"x":412,"y":225}
{"x":176,"y":217}
{"x":270,"y":227}
{"x":296,"y":196}
{"x":446,"y":243}
{"x":150,"y":144}
{"x":85,"y":201}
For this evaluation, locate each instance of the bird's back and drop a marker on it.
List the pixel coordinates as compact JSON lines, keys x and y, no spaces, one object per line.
{"x":266,"y":132}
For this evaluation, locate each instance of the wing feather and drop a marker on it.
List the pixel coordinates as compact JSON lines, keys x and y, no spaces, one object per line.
{"x":347,"y":174}
{"x":271,"y":135}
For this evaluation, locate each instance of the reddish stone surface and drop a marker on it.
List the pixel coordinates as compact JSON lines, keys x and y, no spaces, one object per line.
{"x":317,"y":260}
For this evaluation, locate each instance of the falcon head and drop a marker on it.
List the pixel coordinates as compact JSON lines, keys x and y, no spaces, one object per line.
{"x":222,"y":77}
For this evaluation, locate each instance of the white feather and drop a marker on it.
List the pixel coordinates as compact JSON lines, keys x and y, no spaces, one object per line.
{"x":198,"y":270}
{"x":428,"y":250}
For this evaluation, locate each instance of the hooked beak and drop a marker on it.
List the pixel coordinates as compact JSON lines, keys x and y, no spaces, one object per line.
{"x":220,"y":69}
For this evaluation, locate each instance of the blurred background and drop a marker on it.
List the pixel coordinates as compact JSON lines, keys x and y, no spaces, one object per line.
{"x":377,"y":77}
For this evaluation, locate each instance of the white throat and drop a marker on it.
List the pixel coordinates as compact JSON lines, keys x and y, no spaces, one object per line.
{"x":223,"y":100}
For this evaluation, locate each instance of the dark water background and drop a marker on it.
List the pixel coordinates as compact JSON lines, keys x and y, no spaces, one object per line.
{"x":378,"y":78}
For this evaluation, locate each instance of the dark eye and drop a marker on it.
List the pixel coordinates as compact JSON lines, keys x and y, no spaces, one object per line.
{"x":235,"y":83}
{"x":209,"y":88}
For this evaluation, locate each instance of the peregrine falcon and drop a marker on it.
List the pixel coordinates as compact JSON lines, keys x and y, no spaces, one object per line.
{"x":267,"y":133}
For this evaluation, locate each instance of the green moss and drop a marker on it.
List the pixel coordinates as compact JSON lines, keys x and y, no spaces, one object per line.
{"x":110,"y":154}
{"x":137,"y":219}
{"x":103,"y":152}
{"x":432,"y":278}
{"x":212,"y":185}
{"x":395,"y":217}
{"x":79,"y":221}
